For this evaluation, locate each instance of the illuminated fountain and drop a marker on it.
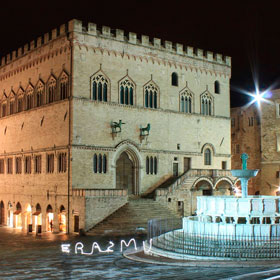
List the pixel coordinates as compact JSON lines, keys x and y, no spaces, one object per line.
{"x":225,"y":228}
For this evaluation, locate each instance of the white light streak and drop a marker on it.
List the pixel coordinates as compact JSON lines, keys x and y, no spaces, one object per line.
{"x":79,"y":247}
{"x":127,"y":244}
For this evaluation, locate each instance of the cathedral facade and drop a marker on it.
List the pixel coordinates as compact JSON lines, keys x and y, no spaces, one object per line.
{"x":91,"y":116}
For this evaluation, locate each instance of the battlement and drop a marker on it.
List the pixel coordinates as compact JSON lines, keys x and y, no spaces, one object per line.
{"x":119,"y":35}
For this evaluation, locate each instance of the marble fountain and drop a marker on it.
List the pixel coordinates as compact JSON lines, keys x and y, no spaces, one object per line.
{"x":225,"y":227}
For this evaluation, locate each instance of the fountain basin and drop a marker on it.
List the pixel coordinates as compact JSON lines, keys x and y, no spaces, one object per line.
{"x":231,"y":206}
{"x":246,"y":174}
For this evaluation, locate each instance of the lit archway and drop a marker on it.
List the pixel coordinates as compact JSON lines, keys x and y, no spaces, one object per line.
{"x":17,"y":216}
{"x":127,"y":167}
{"x":10,"y":221}
{"x":202,"y":186}
{"x":223,"y":187}
{"x":37,"y":217}
{"x":49,"y":221}
{"x":28,"y":217}
{"x":62,"y":219}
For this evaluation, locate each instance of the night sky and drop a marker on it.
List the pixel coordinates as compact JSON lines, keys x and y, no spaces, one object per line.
{"x":248,"y":31}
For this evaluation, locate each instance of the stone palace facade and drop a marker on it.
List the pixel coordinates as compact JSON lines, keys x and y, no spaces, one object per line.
{"x":91,"y":116}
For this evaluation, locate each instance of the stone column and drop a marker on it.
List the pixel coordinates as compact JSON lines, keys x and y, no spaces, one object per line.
{"x":55,"y":223}
{"x":44,"y":217}
{"x":244,"y":187}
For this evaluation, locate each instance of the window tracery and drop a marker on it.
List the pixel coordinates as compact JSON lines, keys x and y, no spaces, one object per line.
{"x":186,"y":101}
{"x":99,"y":163}
{"x":127,"y":89}
{"x":39,"y":95}
{"x":64,"y":86}
{"x":151,"y":93}
{"x":151,"y":165}
{"x":29,"y":97}
{"x":100,"y":85}
{"x":51,"y":90}
{"x":206,"y":101}
{"x":20,"y":96}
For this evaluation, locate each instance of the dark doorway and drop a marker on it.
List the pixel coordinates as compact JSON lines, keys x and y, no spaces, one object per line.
{"x":224,"y":165}
{"x":2,"y":213}
{"x":187,"y":164}
{"x":206,"y":192}
{"x":180,"y":208}
{"x":125,"y":173}
{"x":175,"y":169}
{"x":76,"y":223}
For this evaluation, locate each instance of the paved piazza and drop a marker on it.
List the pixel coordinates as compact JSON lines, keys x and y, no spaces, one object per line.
{"x":24,"y":256}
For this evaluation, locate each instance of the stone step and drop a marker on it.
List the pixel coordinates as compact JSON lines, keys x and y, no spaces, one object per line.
{"x":135,"y":214}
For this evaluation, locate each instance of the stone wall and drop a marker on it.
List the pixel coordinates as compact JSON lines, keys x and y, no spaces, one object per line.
{"x":270,"y":160}
{"x":246,"y":138}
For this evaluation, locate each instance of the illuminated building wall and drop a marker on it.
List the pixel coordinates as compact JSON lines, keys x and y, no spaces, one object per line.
{"x":245,"y":138}
{"x":60,"y":99}
{"x":270,"y":144}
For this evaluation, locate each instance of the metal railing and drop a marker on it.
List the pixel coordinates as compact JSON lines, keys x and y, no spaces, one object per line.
{"x":166,"y":236}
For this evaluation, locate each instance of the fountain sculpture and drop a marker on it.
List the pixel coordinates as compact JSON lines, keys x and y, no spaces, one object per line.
{"x":225,"y":228}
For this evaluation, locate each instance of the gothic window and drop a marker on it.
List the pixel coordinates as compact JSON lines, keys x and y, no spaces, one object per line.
{"x":206,"y":104}
{"x":217,"y":87}
{"x":18,"y":165}
{"x":186,"y":100}
{"x":51,"y":90}
{"x":100,"y":86}
{"x":27,"y":165}
{"x":50,"y":163}
{"x":155,"y":165}
{"x":20,"y":95}
{"x":38,"y":164}
{"x":104,"y":164}
{"x":151,"y":165}
{"x":95,"y":163}
{"x":127,"y":90}
{"x":151,"y":93}
{"x":64,"y":86}
{"x":207,"y":157}
{"x":39,"y":95}
{"x":4,"y":110}
{"x":12,"y":106}
{"x":29,"y":97}
{"x":174,"y":79}
{"x":99,"y":163}
{"x":62,"y":164}
{"x":10,"y":165}
{"x":20,"y":104}
{"x":2,"y":166}
{"x":147,"y":165}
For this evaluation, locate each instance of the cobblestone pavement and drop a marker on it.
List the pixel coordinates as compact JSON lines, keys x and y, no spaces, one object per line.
{"x":25,"y":256}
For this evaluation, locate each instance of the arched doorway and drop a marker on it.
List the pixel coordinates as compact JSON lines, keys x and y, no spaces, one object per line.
{"x":17,"y":214}
{"x":127,"y":172}
{"x":201,"y":187}
{"x":49,"y":222}
{"x":124,"y":173}
{"x":2,"y":213}
{"x":10,"y":221}
{"x":223,"y":187}
{"x":28,"y":218}
{"x":62,"y":219}
{"x":37,"y":217}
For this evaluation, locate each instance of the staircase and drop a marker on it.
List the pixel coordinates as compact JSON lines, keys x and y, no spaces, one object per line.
{"x":132,"y":218}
